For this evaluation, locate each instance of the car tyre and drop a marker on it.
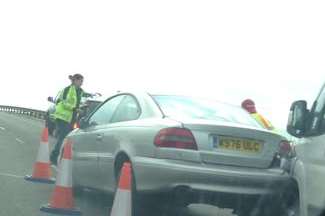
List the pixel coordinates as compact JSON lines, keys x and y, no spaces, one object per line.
{"x":294,"y":209}
{"x":77,"y":191}
{"x":269,"y":206}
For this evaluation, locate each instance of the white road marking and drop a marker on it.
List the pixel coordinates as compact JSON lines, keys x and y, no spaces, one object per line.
{"x":19,"y":140}
{"x":11,"y":175}
{"x":2,"y":128}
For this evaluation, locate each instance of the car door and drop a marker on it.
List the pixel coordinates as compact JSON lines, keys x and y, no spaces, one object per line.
{"x":113,"y":136}
{"x":86,"y":148}
{"x":312,"y":152}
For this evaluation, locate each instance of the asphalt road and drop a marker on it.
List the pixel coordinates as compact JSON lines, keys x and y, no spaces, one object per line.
{"x":19,"y":142}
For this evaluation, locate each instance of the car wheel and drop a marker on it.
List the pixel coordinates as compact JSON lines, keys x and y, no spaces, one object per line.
{"x":294,"y":209}
{"x":77,"y":191}
{"x":269,"y":206}
{"x":245,"y":211}
{"x":173,"y":203}
{"x":246,"y":206}
{"x":49,"y":124}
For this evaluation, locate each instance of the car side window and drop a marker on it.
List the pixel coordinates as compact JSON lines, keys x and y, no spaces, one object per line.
{"x":320,"y":108}
{"x":320,"y":101}
{"x":106,"y":111}
{"x":317,"y":117}
{"x":127,"y":110}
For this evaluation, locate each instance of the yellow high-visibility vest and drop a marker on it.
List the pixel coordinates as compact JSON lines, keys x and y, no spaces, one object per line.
{"x":64,"y":109}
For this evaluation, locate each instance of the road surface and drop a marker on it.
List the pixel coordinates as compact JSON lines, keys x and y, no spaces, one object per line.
{"x":19,"y":142}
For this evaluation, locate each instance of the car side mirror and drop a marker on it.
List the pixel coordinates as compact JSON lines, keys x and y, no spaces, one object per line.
{"x":83,"y":123}
{"x":50,"y":99}
{"x":297,"y":118}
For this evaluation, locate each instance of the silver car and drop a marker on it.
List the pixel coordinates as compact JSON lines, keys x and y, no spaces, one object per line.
{"x":183,"y":149}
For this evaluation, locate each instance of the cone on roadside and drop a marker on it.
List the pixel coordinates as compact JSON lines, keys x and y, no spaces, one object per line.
{"x":61,"y":201}
{"x":122,"y":205}
{"x":42,"y":166}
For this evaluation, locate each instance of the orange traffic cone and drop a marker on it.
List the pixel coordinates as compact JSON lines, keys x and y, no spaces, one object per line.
{"x":42,"y":167}
{"x":61,"y":201}
{"x":122,"y":205}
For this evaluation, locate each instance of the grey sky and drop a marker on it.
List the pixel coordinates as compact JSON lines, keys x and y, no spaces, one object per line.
{"x":272,"y":52}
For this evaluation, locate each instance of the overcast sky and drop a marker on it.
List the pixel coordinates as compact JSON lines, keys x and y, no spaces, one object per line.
{"x":270,"y":51}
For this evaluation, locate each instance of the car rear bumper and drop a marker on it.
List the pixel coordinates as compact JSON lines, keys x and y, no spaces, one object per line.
{"x":162,"y":175}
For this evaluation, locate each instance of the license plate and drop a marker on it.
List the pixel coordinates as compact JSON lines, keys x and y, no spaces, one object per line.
{"x":239,"y":144}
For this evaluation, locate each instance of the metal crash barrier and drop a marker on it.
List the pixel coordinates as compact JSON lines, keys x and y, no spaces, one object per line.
{"x":39,"y":114}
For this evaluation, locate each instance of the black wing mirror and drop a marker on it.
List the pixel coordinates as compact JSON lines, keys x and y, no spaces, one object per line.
{"x":50,"y":99}
{"x":83,"y":123}
{"x":297,"y":118}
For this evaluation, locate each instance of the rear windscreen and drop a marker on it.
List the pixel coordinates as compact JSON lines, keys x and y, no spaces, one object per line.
{"x":187,"y":107}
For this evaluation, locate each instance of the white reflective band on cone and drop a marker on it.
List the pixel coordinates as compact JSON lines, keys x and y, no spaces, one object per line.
{"x":122,"y":205}
{"x":43,"y":153}
{"x":64,"y":176}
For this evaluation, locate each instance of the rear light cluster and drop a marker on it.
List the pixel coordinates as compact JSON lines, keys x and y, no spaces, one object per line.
{"x":283,"y":156}
{"x":181,"y":138}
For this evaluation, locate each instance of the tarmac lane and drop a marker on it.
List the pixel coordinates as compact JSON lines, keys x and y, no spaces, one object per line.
{"x":19,"y":143}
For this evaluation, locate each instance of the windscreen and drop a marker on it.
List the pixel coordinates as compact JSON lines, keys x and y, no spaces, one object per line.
{"x":195,"y":108}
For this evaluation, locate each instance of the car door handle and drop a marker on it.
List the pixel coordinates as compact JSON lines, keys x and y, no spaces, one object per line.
{"x":99,"y":137}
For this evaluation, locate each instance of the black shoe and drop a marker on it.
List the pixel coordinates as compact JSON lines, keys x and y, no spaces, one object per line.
{"x":53,"y":160}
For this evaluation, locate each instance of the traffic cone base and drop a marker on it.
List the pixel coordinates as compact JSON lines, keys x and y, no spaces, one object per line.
{"x":122,"y":204}
{"x":48,"y":209}
{"x":39,"y":180}
{"x":62,"y":196}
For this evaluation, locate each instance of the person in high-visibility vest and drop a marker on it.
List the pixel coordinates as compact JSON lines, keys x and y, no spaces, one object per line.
{"x":66,"y":110}
{"x":249,"y":106}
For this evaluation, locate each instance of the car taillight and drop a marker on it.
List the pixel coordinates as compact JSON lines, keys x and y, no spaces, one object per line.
{"x":285,"y":148}
{"x":175,"y":138}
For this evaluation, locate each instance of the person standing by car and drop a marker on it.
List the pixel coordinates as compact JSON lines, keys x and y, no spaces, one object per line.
{"x":66,"y":110}
{"x":249,"y":106}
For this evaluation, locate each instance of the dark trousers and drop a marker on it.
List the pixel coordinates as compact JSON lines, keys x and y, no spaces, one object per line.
{"x":63,"y":128}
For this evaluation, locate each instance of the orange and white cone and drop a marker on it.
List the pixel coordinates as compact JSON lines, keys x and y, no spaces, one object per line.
{"x":122,"y":205}
{"x":61,"y":201}
{"x":42,"y":166}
